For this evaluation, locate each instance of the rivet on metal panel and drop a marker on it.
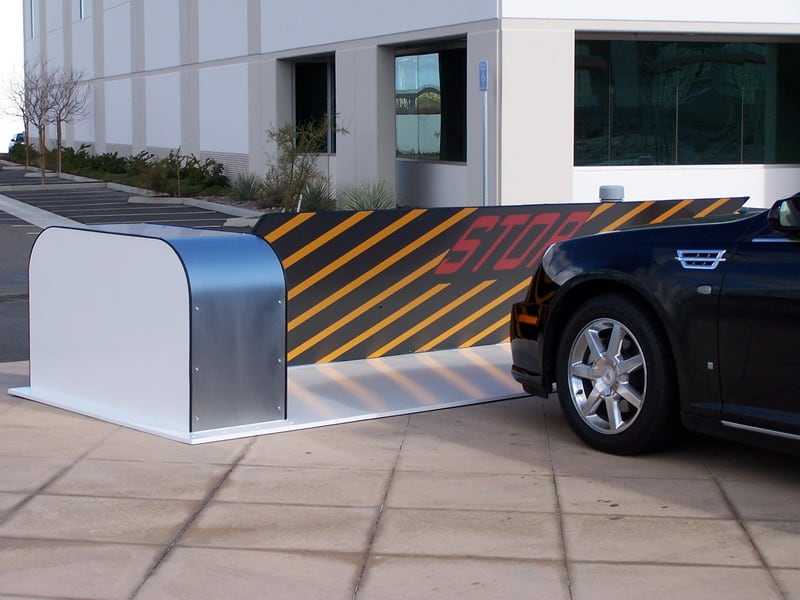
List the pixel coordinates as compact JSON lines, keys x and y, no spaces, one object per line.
{"x":197,"y":308}
{"x":197,"y":369}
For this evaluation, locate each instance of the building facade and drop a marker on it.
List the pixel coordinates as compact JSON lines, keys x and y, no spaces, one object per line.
{"x":495,"y":101}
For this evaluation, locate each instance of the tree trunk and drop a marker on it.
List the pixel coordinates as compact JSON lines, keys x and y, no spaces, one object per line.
{"x":58,"y":147}
{"x":42,"y":154}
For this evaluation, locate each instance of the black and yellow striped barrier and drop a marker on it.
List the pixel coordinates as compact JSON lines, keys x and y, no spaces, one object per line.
{"x":369,"y":284}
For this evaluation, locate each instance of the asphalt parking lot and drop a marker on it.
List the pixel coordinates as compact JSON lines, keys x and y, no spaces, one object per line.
{"x":26,"y":207}
{"x":497,"y":500}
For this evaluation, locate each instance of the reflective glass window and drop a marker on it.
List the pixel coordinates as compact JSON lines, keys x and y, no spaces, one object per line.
{"x":685,"y":102}
{"x":430,"y":105}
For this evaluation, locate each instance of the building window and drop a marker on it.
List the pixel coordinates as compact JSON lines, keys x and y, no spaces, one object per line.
{"x":315,"y":97}
{"x":431,"y":105}
{"x":32,"y":6}
{"x":686,"y":102}
{"x":81,"y":9}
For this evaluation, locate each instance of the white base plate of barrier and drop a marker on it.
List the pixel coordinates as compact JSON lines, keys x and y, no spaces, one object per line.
{"x":343,"y":392}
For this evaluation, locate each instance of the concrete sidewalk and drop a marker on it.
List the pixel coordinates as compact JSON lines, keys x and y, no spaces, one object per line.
{"x":489,"y":501}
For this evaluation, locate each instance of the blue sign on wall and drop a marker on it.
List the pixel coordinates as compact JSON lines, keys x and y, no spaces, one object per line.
{"x":483,"y":75}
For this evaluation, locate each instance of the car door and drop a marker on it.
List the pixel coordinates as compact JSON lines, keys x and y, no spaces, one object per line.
{"x":759,"y":332}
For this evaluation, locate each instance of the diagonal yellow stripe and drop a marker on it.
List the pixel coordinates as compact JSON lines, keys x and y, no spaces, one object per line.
{"x":351,"y":254}
{"x":376,"y":270}
{"x":708,"y":210}
{"x":324,"y":239}
{"x":432,"y":318}
{"x":629,"y":215}
{"x":387,"y":321}
{"x":475,"y":316}
{"x":603,"y":207}
{"x":361,"y":309}
{"x":288,"y":226}
{"x":667,"y":214}
{"x":492,"y":328}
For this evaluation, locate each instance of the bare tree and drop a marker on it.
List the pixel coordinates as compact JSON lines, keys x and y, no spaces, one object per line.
{"x":18,"y":107}
{"x":39,"y":83}
{"x":68,"y":97}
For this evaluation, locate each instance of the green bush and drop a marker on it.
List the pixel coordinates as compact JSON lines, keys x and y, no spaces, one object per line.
{"x":17,"y":153}
{"x":174,"y":174}
{"x":368,"y":196}
{"x":317,"y":196}
{"x":246,"y":188}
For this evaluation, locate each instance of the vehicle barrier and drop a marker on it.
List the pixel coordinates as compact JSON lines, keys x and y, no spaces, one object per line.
{"x":187,"y":333}
{"x":370,"y":284}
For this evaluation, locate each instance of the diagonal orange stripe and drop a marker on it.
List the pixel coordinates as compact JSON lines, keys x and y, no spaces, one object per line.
{"x":667,"y":214}
{"x":475,"y":316}
{"x":383,"y":323}
{"x":288,"y":226}
{"x":361,"y":309}
{"x":629,"y":215}
{"x":434,"y":317}
{"x":493,"y":327}
{"x":604,"y":206}
{"x":324,"y":239}
{"x":708,"y":210}
{"x":376,"y":270}
{"x":351,"y":254}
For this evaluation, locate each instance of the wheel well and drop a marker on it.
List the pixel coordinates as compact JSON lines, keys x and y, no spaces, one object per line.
{"x":577,"y":296}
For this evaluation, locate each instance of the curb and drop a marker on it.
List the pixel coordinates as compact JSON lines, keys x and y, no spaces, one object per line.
{"x":225,"y":209}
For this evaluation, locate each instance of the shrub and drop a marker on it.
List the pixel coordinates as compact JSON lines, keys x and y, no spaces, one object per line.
{"x":317,"y":196}
{"x":246,"y":188}
{"x":368,"y":196}
{"x":294,"y":167}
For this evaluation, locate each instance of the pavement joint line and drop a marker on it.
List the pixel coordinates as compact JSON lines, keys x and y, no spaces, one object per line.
{"x":34,"y":216}
{"x":367,"y":553}
{"x":741,"y":523}
{"x":565,"y":563}
{"x":193,"y":517}
{"x":58,"y":475}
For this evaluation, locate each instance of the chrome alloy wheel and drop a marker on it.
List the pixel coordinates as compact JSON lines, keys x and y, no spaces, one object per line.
{"x":607,"y":376}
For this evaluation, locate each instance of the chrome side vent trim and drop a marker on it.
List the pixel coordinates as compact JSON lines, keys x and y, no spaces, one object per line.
{"x":700,"y":259}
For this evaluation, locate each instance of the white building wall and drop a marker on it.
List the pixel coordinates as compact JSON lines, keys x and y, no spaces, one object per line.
{"x":222,"y":28}
{"x":117,"y":39}
{"x":536,"y":113}
{"x":83,"y":131}
{"x":55,"y":40}
{"x":303,"y":23}
{"x":766,"y":12}
{"x":365,"y":103}
{"x":83,"y":47}
{"x":161,"y":40}
{"x":223,"y":109}
{"x":163,"y":109}
{"x":118,"y":112}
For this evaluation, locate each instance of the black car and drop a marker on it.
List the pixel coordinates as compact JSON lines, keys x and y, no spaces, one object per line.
{"x":642,"y":330}
{"x":19,"y":138}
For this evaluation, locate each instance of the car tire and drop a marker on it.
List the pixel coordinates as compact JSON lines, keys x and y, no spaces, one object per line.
{"x":615,"y":376}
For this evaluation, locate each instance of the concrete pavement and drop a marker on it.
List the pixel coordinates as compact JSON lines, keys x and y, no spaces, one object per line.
{"x":489,"y":501}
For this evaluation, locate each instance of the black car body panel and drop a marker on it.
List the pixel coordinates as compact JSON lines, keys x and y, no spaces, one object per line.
{"x":727,"y":295}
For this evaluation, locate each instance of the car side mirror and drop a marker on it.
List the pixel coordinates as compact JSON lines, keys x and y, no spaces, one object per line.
{"x":784,"y":216}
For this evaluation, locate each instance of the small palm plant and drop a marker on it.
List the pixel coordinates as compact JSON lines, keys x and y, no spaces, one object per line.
{"x":369,"y":196}
{"x":247,"y":188}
